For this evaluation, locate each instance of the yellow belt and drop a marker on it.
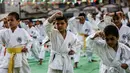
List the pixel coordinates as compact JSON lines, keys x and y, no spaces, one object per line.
{"x":13,"y":51}
{"x":81,"y":34}
{"x":84,"y":38}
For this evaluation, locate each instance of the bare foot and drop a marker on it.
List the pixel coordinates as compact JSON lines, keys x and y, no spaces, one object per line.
{"x":94,"y":60}
{"x":40,"y":62}
{"x":76,"y":65}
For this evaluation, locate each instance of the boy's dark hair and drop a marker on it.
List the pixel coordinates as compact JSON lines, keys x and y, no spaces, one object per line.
{"x":82,"y":14}
{"x":15,"y":14}
{"x":62,"y":18}
{"x":111,"y":30}
{"x":30,"y":20}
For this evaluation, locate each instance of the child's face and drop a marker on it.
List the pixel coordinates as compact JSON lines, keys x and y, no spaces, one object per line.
{"x":30,"y":24}
{"x":37,"y":22}
{"x":61,"y":25}
{"x":117,"y":21}
{"x":81,"y":19}
{"x":12,"y":22}
{"x":111,"y":40}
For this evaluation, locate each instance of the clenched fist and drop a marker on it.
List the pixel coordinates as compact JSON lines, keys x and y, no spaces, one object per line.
{"x":24,"y":49}
{"x":124,"y":66}
{"x":54,"y":16}
{"x":71,"y":52}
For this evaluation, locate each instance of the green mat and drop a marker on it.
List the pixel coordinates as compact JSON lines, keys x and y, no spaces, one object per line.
{"x":83,"y":67}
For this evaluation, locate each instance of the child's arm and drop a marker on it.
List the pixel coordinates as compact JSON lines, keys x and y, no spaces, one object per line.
{"x":126,"y":64}
{"x":96,"y":42}
{"x":96,"y":38}
{"x":28,"y":42}
{"x":48,"y":24}
{"x":76,"y":45}
{"x":2,"y":42}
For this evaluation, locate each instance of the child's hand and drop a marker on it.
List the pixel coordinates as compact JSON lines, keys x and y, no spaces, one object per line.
{"x":99,"y":34}
{"x":24,"y":49}
{"x":80,"y":17}
{"x":54,"y":16}
{"x":124,"y":66}
{"x":71,"y":52}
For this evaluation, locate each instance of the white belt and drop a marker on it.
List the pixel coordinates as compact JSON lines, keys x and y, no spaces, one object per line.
{"x":62,"y":62}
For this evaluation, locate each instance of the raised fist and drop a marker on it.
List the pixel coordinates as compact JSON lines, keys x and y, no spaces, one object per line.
{"x":54,"y":16}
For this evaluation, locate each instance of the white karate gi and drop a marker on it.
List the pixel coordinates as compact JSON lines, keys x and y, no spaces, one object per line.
{"x":60,"y":61}
{"x":23,"y":25}
{"x":44,"y":49}
{"x":128,"y":15}
{"x":19,"y":37}
{"x":2,"y":52}
{"x":41,"y":31}
{"x":40,"y":28}
{"x":1,"y":25}
{"x":124,"y":34}
{"x":2,"y":48}
{"x":111,"y":60}
{"x":94,"y":23}
{"x":124,"y":22}
{"x":77,"y":28}
{"x":35,"y":50}
{"x":107,"y":21}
